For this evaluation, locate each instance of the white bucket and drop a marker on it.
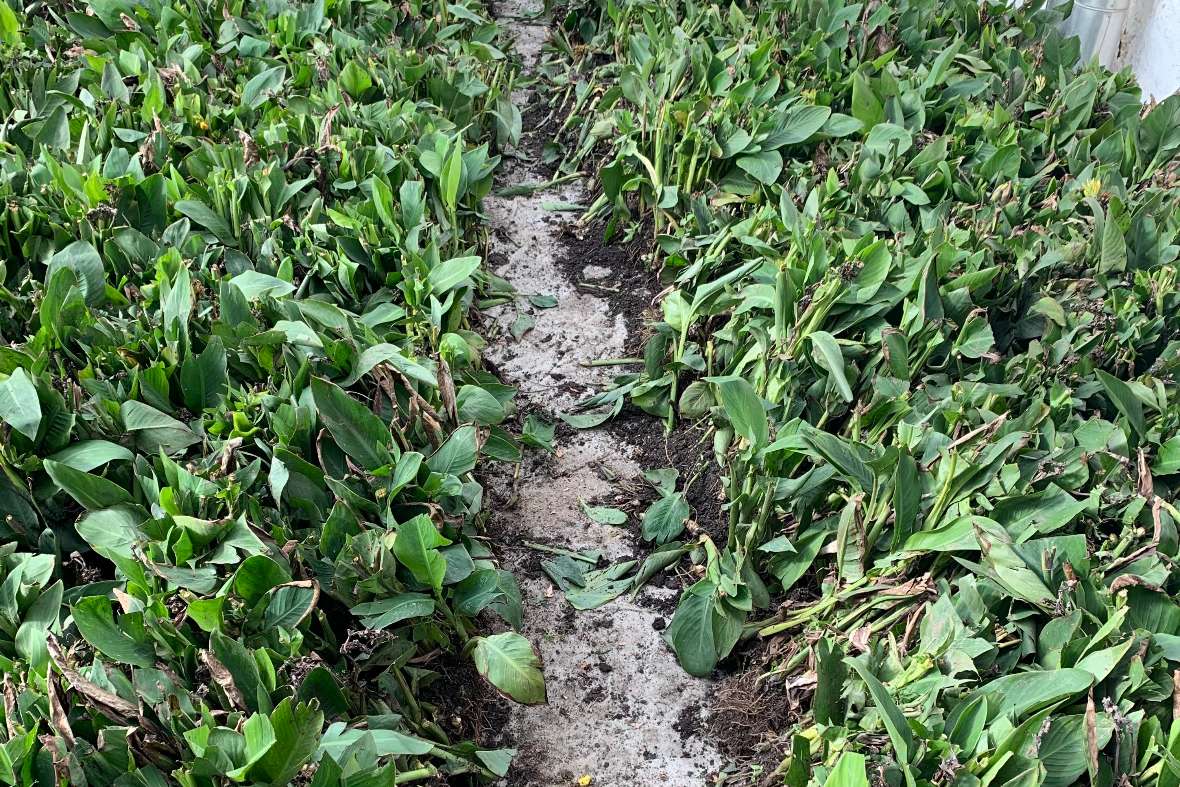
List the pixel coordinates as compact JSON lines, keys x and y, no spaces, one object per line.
{"x":1098,"y":24}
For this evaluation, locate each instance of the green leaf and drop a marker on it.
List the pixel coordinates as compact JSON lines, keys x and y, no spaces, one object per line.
{"x":452,"y":175}
{"x":831,"y":360}
{"x":289,"y":605}
{"x":92,"y":615}
{"x":114,"y":529}
{"x":509,"y":662}
{"x":850,"y":771}
{"x":338,"y":739}
{"x":765,"y":166}
{"x":91,"y":491}
{"x":242,"y":667}
{"x":257,"y":575}
{"x":457,"y":455}
{"x":89,"y":454}
{"x":357,"y":431}
{"x":604,"y":515}
{"x":355,"y":79}
{"x":702,"y":632}
{"x":1020,"y":693}
{"x":204,"y":378}
{"x":1062,"y":750}
{"x":846,"y":456}
{"x":1113,"y":256}
{"x":9,"y":26}
{"x":386,"y":612}
{"x":395,"y":357}
{"x":296,"y":731}
{"x":208,"y":218}
{"x":497,"y":760}
{"x":1003,"y":165}
{"x":1125,"y":401}
{"x":262,"y":87}
{"x":891,"y":716}
{"x":416,"y":548}
{"x":155,"y":431}
{"x":254,"y":285}
{"x":802,"y":123}
{"x":445,"y":276}
{"x":866,"y":107}
{"x":19,"y":406}
{"x":259,"y":738}
{"x":1167,"y":457}
{"x":665,"y":518}
{"x":831,"y":672}
{"x":744,"y":409}
{"x":976,"y":339}
{"x":83,"y":260}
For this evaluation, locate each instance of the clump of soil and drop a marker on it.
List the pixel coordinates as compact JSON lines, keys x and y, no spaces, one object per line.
{"x":752,"y":713}
{"x":467,"y":708}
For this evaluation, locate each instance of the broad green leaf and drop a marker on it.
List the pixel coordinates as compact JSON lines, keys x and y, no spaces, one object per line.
{"x":395,"y":357}
{"x":90,"y":454}
{"x":84,"y":261}
{"x":457,"y":455}
{"x":802,"y":123}
{"x":1020,"y":693}
{"x":338,"y":739}
{"x":208,"y":218}
{"x":296,"y":729}
{"x":262,"y":87}
{"x":829,"y":358}
{"x":355,"y":79}
{"x":866,"y":107}
{"x":416,"y":548}
{"x":445,"y":276}
{"x":765,"y":167}
{"x":604,"y":515}
{"x":92,"y":615}
{"x":850,"y":771}
{"x":1062,"y":750}
{"x":1124,"y":400}
{"x":664,"y":519}
{"x":509,"y":662}
{"x":255,"y":285}
{"x":702,"y":632}
{"x":91,"y":491}
{"x":395,"y":609}
{"x":155,"y":431}
{"x":744,"y":409}
{"x":9,"y":26}
{"x":357,"y":431}
{"x":19,"y":406}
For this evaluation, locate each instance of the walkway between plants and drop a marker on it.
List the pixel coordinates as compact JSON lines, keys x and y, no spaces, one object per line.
{"x":621,"y":710}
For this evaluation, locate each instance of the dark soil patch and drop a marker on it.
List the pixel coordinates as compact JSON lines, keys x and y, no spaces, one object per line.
{"x":467,"y":708}
{"x":541,"y":123}
{"x":689,"y":449}
{"x":629,"y":289}
{"x":750,"y":715}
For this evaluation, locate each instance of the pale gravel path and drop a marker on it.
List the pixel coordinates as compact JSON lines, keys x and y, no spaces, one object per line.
{"x":617,"y":697}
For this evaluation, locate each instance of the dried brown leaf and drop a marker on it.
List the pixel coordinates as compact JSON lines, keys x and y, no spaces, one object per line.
{"x":224,"y":679}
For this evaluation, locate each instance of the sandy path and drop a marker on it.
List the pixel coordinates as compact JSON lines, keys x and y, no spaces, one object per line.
{"x":620,"y":708}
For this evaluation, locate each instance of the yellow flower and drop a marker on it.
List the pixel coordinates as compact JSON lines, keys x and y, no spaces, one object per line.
{"x":584,"y":780}
{"x":1092,"y":187}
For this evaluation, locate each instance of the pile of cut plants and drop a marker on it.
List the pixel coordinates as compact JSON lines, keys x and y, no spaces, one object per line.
{"x":920,"y":284}
{"x":241,"y":403}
